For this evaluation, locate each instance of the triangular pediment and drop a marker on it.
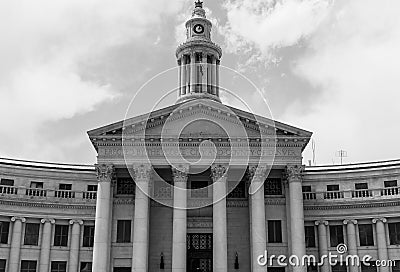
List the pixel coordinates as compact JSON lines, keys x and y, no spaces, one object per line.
{"x":200,"y":118}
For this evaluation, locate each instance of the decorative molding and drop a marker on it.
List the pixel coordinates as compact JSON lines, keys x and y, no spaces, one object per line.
{"x":76,"y":221}
{"x":294,"y":172}
{"x":105,"y":172}
{"x":382,"y":219}
{"x":334,"y":206}
{"x":321,"y":222}
{"x":142,"y":172}
{"x":218,"y":172}
{"x":48,"y":220}
{"x":258,"y":173}
{"x":180,"y":174}
{"x":237,"y":203}
{"x":15,"y":218}
{"x":25,"y":203}
{"x":124,"y":201}
{"x":274,"y":201}
{"x":347,"y":221}
{"x":200,"y":222}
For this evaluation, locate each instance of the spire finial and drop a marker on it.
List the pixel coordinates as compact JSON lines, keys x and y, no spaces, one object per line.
{"x":198,"y":4}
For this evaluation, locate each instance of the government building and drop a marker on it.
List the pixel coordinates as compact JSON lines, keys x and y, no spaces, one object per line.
{"x":198,"y":186}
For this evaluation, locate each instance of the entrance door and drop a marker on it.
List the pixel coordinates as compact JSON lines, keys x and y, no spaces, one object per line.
{"x":199,"y":252}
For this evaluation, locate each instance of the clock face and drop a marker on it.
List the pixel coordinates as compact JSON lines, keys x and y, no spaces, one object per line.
{"x":198,"y":29}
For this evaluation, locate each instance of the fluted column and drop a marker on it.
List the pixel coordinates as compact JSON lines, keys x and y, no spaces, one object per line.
{"x":142,"y":173}
{"x":180,"y":176}
{"x":44,"y":261}
{"x":257,"y":176}
{"x":102,"y":243}
{"x":180,"y":76}
{"x":381,"y":241}
{"x":217,"y":78}
{"x":183,"y":75}
{"x":15,"y":251}
{"x":204,"y":74}
{"x":323,"y":243}
{"x":351,"y":241}
{"x":193,"y":72}
{"x":220,"y":245}
{"x":75,"y":243}
{"x":294,"y":179}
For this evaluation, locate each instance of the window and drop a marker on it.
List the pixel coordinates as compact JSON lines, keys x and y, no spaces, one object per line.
{"x":312,"y":267}
{"x":332,"y":187}
{"x":239,"y":191}
{"x":394,"y":233}
{"x":88,"y":236}
{"x":65,"y":187}
{"x":124,"y":231}
{"x":4,"y":228}
{"x":371,"y":267}
{"x":122,"y":269}
{"x":366,"y":235}
{"x":396,"y":267}
{"x":31,"y":234}
{"x":273,"y":186}
{"x":339,"y":268}
{"x":61,"y":235}
{"x":2,"y":265}
{"x":92,"y":188}
{"x":199,"y":188}
{"x":28,"y":266}
{"x":310,"y":236}
{"x":306,"y":188}
{"x":336,"y":235}
{"x":58,"y":266}
{"x":7,"y":182}
{"x":361,"y":186}
{"x":37,"y":185}
{"x":86,"y":267}
{"x":274,"y":231}
{"x":125,"y":186}
{"x":390,"y":183}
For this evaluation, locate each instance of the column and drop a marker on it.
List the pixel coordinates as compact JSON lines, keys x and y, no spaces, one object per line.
{"x":294,"y":179}
{"x":13,"y":260}
{"x":220,"y":244}
{"x":213,"y":74}
{"x":193,"y":72}
{"x":180,"y":76}
{"x":217,"y":78}
{"x":179,"y":219}
{"x":183,"y":75}
{"x":74,"y":247}
{"x":204,"y":73}
{"x":258,"y":240}
{"x":102,"y":242}
{"x":288,"y":223}
{"x":381,"y":241}
{"x":323,"y":243}
{"x":142,"y":174}
{"x":44,"y":261}
{"x":351,"y":241}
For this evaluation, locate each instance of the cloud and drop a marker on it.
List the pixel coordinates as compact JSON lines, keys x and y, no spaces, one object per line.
{"x":45,"y":45}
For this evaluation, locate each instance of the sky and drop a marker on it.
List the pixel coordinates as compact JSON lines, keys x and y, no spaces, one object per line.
{"x":330,"y":67}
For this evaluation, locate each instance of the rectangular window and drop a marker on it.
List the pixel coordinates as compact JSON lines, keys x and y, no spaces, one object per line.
{"x":2,"y":265}
{"x":37,"y":185}
{"x":306,"y":188}
{"x":361,"y":186}
{"x":92,"y":188}
{"x":88,"y":236}
{"x":366,"y":235}
{"x":336,"y":235}
{"x":124,"y":231}
{"x":28,"y":266}
{"x":122,"y":269}
{"x":61,"y":235}
{"x":312,"y":267}
{"x":4,"y":229}
{"x":125,"y":186}
{"x":332,"y":187}
{"x":368,"y":266}
{"x":390,"y":183}
{"x":310,"y":236}
{"x":65,"y":187}
{"x":274,"y":231}
{"x":31,"y":234}
{"x":86,"y":267}
{"x":58,"y":266}
{"x":396,"y":267}
{"x":273,"y":186}
{"x":394,"y":233}
{"x":7,"y":182}
{"x":339,"y":268}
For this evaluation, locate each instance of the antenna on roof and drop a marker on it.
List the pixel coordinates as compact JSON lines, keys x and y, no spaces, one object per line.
{"x":342,"y":154}
{"x":313,"y":151}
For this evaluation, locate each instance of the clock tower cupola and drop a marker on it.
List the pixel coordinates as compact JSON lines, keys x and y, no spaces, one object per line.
{"x":198,"y":59}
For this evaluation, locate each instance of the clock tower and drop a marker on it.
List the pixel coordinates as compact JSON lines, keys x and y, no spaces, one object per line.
{"x":198,"y":59}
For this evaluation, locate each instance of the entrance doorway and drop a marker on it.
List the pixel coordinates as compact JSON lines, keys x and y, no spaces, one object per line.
{"x":199,"y":252}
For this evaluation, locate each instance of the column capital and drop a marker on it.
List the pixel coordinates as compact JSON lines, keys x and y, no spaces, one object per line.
{"x":180,"y":173}
{"x":105,"y":172}
{"x":142,"y":171}
{"x":321,"y":222}
{"x":15,"y":218}
{"x":48,"y":220}
{"x":258,"y":172}
{"x":76,"y":221}
{"x":382,"y":219}
{"x":352,"y":221}
{"x":294,"y":172}
{"x":218,"y":172}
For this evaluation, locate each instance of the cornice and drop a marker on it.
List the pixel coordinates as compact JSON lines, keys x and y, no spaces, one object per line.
{"x":37,"y":204}
{"x":334,"y":206}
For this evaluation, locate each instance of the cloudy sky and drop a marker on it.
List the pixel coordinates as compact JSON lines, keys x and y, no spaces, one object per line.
{"x":69,"y":66}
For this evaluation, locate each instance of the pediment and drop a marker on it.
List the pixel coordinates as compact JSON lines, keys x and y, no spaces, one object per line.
{"x":200,"y":118}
